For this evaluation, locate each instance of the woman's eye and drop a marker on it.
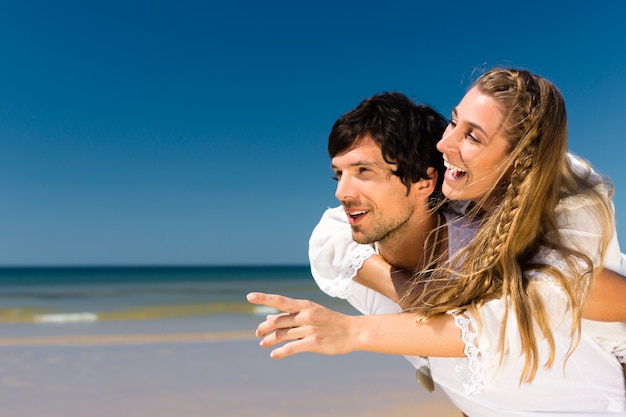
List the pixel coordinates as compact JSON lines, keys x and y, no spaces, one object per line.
{"x":473,"y":138}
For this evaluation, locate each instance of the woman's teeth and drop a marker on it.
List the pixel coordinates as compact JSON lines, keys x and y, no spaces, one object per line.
{"x":455,"y":172}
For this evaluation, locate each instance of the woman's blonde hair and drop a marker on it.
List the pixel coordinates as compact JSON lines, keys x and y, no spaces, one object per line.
{"x":496,"y":263}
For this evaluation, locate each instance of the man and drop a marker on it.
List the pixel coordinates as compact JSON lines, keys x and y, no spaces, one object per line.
{"x":388,"y":174}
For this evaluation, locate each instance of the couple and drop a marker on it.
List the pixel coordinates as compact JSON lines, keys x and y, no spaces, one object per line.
{"x":505,"y":264}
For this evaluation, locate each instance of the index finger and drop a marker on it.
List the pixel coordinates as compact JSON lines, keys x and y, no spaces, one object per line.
{"x":277,"y":301}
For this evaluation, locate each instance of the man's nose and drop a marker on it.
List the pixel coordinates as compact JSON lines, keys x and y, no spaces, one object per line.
{"x":345,"y":189}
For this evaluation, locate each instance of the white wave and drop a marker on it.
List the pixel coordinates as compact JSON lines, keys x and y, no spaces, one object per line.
{"x":66,"y":318}
{"x":263,"y":310}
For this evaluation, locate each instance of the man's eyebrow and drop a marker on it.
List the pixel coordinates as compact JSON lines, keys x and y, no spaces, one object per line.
{"x":359,"y":163}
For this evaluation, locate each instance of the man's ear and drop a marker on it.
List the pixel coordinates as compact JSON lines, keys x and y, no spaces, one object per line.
{"x":427,"y":186}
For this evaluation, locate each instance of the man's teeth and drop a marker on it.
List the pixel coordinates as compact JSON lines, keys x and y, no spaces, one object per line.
{"x":356,"y":213}
{"x":454,"y":171}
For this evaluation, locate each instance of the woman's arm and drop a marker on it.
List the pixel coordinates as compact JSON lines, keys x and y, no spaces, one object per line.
{"x":381,"y":277}
{"x":608,"y":298}
{"x":607,"y":301}
{"x":310,"y":327}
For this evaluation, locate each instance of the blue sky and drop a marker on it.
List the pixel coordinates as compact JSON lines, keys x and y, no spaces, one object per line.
{"x":151,"y":132}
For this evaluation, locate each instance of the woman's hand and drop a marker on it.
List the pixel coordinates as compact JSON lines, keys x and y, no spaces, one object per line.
{"x":305,"y":325}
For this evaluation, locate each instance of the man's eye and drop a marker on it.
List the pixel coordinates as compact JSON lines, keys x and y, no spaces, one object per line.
{"x":336,"y":176}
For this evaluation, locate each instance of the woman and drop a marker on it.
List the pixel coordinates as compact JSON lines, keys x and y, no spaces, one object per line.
{"x":500,"y":321}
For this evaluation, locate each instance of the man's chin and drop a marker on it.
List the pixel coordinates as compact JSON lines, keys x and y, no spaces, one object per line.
{"x":363,"y":240}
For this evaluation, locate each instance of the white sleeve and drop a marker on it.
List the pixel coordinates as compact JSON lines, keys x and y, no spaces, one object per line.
{"x":611,"y":336}
{"x":335,"y":259}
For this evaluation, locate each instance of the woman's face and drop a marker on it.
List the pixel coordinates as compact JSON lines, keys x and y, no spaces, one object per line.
{"x":473,"y":147}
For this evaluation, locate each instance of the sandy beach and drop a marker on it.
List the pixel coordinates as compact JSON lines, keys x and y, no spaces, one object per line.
{"x":72,"y":371}
{"x":180,"y":342}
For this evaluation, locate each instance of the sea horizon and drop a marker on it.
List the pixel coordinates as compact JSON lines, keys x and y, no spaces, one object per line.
{"x":153,"y":265}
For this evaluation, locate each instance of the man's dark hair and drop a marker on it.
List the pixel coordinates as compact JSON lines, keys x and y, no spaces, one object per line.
{"x":406,"y":133}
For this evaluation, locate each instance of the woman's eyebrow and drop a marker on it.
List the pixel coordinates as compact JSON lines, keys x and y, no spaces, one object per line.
{"x":474,"y":125}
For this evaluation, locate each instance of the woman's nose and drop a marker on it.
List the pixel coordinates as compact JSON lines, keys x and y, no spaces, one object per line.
{"x":447,"y":141}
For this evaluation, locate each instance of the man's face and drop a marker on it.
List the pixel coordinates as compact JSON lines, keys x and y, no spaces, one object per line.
{"x":375,"y":200}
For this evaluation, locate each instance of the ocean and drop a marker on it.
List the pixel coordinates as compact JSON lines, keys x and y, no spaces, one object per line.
{"x":75,"y":295}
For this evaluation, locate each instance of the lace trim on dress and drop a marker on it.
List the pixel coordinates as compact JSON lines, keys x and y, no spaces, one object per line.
{"x":474,"y":381}
{"x":349,"y":269}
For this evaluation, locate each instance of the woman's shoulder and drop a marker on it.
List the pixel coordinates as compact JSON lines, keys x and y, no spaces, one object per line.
{"x":584,"y":170}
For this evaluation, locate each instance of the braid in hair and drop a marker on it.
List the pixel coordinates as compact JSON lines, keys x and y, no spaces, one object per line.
{"x":509,"y":211}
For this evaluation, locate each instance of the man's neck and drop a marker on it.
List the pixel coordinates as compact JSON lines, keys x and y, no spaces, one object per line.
{"x":406,"y":249}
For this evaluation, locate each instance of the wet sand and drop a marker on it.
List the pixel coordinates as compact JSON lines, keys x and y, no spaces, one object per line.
{"x":217,"y":373}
